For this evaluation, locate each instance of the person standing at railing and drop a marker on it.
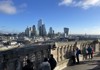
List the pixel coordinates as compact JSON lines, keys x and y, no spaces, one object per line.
{"x":45,"y":65}
{"x":52,"y":62}
{"x":89,"y":49}
{"x":78,"y":51}
{"x":29,"y":66}
{"x":92,"y":52}
{"x":73,"y":56}
{"x":84,"y":52}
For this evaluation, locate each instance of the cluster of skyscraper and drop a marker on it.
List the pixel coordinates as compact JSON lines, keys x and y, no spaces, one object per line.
{"x":40,"y":31}
{"x":30,"y":31}
{"x":41,"y":28}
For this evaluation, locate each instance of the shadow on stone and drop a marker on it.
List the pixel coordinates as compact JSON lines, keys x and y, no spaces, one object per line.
{"x":70,"y":63}
{"x":97,"y":55}
{"x":97,"y":62}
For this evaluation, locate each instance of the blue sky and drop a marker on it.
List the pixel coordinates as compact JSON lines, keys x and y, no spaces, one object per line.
{"x":80,"y":16}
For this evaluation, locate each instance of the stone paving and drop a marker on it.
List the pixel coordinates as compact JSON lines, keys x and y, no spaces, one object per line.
{"x":93,"y":64}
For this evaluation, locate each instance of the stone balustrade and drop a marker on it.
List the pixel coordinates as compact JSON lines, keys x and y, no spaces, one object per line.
{"x":15,"y":59}
{"x":63,"y":50}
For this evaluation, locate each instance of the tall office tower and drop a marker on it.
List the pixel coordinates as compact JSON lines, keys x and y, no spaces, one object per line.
{"x":66,"y":31}
{"x":27,"y":32}
{"x":44,"y":33}
{"x":34,"y":33}
{"x":40,"y":22}
{"x":41,"y":28}
{"x":30,"y":32}
{"x":51,"y":32}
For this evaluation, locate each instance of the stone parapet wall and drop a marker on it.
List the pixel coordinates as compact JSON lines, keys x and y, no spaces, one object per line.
{"x":15,"y":59}
{"x":63,"y":49}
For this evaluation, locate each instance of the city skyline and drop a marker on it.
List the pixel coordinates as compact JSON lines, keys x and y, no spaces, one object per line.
{"x":81,"y":17}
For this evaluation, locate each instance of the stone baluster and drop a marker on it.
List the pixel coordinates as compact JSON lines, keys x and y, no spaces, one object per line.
{"x":63,"y":52}
{"x":58,"y":55}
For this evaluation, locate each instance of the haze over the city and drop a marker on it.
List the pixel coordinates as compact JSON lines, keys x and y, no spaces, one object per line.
{"x":80,"y":16}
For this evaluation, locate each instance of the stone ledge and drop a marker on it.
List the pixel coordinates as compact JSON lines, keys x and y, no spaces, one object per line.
{"x":64,"y":64}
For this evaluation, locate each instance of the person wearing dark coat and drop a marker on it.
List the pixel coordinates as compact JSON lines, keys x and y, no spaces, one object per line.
{"x":29,"y":65}
{"x":77,"y":54}
{"x":90,"y":51}
{"x":52,"y":62}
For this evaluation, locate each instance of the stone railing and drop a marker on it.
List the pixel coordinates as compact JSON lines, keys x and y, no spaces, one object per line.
{"x":15,"y":59}
{"x":62,"y":51}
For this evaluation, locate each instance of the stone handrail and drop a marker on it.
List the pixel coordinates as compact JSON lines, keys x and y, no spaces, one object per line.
{"x":15,"y":59}
{"x":62,"y":51}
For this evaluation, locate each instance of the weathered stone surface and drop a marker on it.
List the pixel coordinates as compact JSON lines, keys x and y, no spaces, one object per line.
{"x":61,"y":51}
{"x":86,"y":65}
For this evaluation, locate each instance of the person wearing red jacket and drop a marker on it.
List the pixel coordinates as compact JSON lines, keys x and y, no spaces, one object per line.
{"x":92,"y":53}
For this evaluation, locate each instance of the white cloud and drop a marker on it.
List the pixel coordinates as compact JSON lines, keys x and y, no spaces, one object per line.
{"x":65,"y":2}
{"x":85,"y":4}
{"x":8,"y":7}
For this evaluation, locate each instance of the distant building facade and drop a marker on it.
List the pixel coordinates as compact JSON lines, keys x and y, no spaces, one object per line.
{"x":34,"y":32}
{"x":44,"y":33}
{"x":27,"y":32}
{"x":66,"y":31}
{"x":40,"y":22}
{"x":41,"y":28}
{"x":51,"y":32}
